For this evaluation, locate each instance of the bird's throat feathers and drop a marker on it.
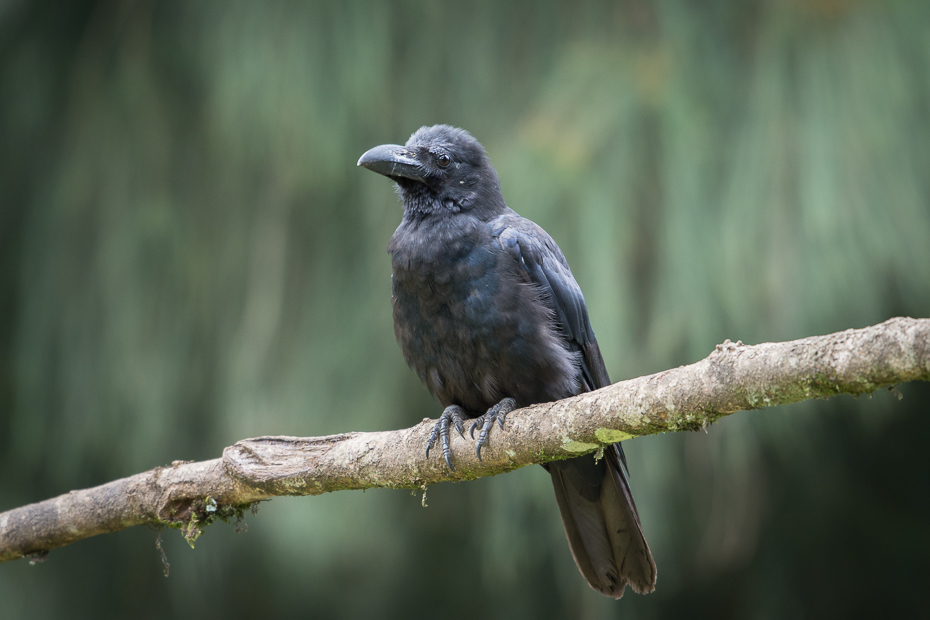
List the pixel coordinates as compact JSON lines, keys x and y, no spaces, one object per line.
{"x":421,"y":200}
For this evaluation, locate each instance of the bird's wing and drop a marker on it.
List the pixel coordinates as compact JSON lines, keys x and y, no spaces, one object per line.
{"x":537,"y":254}
{"x":595,"y":501}
{"x":597,"y":507}
{"x":543,"y":262}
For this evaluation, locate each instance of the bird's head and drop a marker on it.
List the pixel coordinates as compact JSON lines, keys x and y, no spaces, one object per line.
{"x":441,"y":169}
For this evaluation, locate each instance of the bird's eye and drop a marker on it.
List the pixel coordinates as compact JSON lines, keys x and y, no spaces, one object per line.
{"x":443,"y":160}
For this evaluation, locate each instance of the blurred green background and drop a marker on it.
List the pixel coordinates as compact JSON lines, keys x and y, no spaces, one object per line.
{"x":189,"y":256}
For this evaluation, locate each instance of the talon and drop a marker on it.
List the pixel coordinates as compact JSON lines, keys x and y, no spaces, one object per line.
{"x":486,"y":422}
{"x":432,"y":439}
{"x":504,"y":407}
{"x":451,"y":416}
{"x":483,"y":435}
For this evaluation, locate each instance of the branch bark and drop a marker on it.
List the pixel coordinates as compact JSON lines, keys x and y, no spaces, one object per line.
{"x":732,"y":378}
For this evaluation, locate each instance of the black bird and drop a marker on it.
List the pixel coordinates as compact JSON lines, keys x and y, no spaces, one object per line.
{"x":489,"y":316}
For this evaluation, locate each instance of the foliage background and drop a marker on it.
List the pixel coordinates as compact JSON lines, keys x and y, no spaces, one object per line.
{"x":189,"y":256}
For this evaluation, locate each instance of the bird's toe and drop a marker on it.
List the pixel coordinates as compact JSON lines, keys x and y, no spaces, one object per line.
{"x":452,"y":416}
{"x":496,"y":413}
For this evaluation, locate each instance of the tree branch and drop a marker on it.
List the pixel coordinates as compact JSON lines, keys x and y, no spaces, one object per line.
{"x":732,"y":378}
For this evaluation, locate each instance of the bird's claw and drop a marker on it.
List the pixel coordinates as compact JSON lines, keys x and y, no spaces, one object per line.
{"x":498,"y":412}
{"x":451,"y":416}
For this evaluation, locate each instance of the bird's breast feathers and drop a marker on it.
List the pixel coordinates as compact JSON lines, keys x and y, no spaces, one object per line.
{"x":465,"y":315}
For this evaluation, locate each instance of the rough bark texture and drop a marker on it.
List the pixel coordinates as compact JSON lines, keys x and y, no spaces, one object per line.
{"x":732,"y":378}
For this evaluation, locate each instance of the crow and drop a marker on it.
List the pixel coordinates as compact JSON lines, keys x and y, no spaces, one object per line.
{"x":489,"y":316}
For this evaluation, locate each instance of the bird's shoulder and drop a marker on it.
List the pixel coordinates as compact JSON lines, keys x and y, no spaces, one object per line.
{"x":526,"y":240}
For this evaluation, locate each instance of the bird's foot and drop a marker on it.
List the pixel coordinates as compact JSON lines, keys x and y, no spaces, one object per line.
{"x":498,"y":412}
{"x":451,"y":416}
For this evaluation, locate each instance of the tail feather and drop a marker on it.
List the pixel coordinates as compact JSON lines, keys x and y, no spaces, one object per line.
{"x":631,"y":551}
{"x":587,"y":537}
{"x":602,"y":524}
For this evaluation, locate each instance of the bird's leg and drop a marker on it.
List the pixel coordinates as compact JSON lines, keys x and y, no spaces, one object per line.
{"x":497,"y":412}
{"x":453,"y":415}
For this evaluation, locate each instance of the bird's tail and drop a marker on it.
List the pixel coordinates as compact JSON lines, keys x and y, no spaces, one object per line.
{"x":602,"y":524}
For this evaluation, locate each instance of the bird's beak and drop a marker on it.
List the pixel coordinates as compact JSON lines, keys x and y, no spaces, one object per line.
{"x":393,"y":161}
